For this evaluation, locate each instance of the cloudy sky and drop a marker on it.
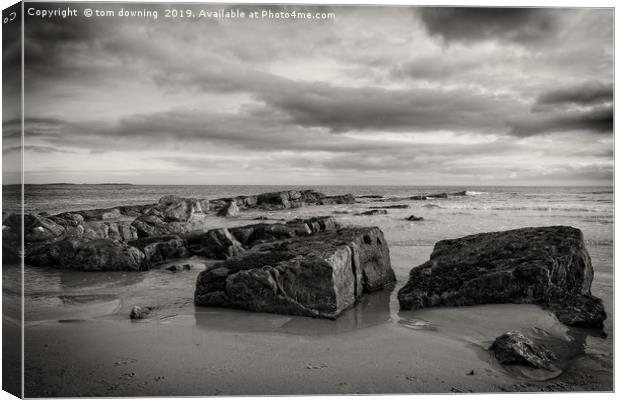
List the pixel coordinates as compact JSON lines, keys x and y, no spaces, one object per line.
{"x":378,"y":96}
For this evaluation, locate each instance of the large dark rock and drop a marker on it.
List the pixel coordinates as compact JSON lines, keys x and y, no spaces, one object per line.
{"x":515,"y":348}
{"x":320,"y":275}
{"x":529,"y":265}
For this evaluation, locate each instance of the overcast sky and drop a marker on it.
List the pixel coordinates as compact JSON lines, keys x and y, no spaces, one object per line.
{"x":378,"y":96}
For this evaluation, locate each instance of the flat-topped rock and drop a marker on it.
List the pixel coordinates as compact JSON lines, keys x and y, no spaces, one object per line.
{"x":320,"y":275}
{"x":528,"y":265}
{"x":225,"y":243}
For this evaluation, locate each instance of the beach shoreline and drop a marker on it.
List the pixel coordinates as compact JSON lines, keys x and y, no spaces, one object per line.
{"x":81,"y":342}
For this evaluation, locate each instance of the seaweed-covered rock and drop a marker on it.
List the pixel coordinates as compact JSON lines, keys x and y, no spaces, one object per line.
{"x":515,"y":348}
{"x":319,"y":275}
{"x":528,"y":265}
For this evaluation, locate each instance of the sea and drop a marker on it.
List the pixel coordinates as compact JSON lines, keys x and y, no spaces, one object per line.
{"x":53,"y":296}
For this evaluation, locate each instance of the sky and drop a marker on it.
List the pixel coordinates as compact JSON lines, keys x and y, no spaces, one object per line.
{"x":378,"y":96}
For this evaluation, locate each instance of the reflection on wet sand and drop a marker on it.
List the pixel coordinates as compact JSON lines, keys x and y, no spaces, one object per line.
{"x":373,"y":309}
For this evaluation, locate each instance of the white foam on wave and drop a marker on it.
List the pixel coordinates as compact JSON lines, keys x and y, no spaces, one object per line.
{"x":474,"y":193}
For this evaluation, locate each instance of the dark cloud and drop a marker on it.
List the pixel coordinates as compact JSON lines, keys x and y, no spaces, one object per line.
{"x":471,"y":24}
{"x":598,"y":120}
{"x":586,"y":93}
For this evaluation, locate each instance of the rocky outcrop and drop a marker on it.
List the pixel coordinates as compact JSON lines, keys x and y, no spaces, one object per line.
{"x":157,"y":231}
{"x":414,"y":218}
{"x":549,"y":266}
{"x":283,"y":200}
{"x":320,"y":275}
{"x":515,"y":348}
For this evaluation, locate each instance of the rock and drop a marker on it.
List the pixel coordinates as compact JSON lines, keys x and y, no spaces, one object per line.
{"x":138,"y":312}
{"x":515,"y":348}
{"x":95,"y":255}
{"x":319,"y":275}
{"x":392,"y":206}
{"x":173,"y":208}
{"x":225,"y":243}
{"x":161,"y":248}
{"x":220,"y":244}
{"x":370,"y":196}
{"x":549,"y":266}
{"x":414,"y":218}
{"x":106,"y":255}
{"x":10,"y":252}
{"x":179,"y":268}
{"x":230,"y":210}
{"x":37,"y":228}
{"x":583,"y":311}
{"x":373,"y":212}
{"x":471,"y":372}
{"x":461,"y":193}
{"x":154,"y":225}
{"x":93,"y":230}
{"x":429,"y":196}
{"x":283,"y":200}
{"x":151,"y":225}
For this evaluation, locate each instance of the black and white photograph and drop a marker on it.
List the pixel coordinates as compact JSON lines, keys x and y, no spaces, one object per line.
{"x":231,"y":199}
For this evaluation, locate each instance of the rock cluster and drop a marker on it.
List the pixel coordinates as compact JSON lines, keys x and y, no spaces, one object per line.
{"x":282,"y":200}
{"x":549,"y":266}
{"x":317,"y":275}
{"x":139,"y":236}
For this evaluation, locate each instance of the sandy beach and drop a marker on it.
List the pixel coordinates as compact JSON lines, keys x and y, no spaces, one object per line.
{"x":81,"y":342}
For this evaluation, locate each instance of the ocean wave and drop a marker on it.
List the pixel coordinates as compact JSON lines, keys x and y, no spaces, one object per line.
{"x":474,"y":193}
{"x":430,"y":205}
{"x":543,"y":208}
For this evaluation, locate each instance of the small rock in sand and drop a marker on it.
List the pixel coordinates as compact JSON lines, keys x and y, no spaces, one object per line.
{"x":414,"y":218}
{"x":178,"y":268}
{"x":138,"y":312}
{"x":515,"y":348}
